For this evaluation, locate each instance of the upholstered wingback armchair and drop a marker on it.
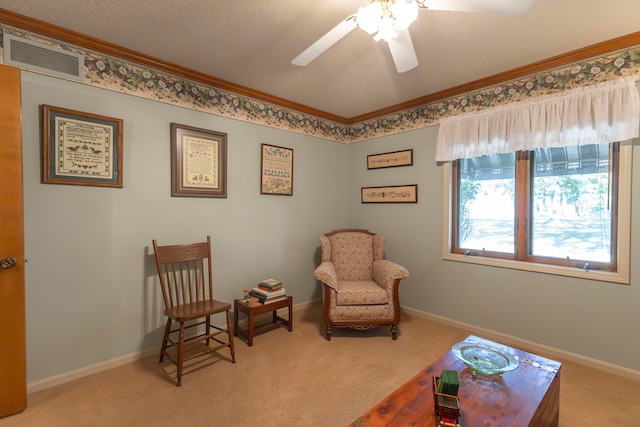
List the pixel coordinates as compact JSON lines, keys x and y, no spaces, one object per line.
{"x":360,"y":287}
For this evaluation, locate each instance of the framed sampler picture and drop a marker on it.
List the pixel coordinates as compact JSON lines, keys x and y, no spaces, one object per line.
{"x":276,"y":170}
{"x":81,"y":148}
{"x":198,"y":162}
{"x":390,"y":194}
{"x":390,"y":160}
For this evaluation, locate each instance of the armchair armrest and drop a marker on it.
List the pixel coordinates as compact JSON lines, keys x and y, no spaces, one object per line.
{"x":326,"y":273}
{"x":385,"y":272}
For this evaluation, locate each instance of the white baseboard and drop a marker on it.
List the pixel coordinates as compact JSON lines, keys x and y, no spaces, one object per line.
{"x":526,"y":345}
{"x":66,"y":377}
{"x":531,"y":346}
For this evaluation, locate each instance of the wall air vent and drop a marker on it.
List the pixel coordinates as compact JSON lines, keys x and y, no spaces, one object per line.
{"x":33,"y":56}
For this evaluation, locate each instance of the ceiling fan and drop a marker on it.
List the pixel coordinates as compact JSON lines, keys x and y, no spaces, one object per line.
{"x":389,"y":20}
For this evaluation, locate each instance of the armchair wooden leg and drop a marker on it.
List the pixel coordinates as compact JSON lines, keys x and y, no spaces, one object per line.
{"x":167,"y":329}
{"x":328,"y":332}
{"x":394,"y":332}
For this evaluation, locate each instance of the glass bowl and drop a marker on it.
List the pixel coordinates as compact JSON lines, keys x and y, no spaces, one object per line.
{"x":484,"y":360}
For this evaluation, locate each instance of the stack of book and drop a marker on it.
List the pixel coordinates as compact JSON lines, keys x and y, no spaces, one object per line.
{"x":269,"y":290}
{"x":270,"y":285}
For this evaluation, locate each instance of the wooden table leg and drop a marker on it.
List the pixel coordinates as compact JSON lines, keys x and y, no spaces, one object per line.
{"x":290,"y":313}
{"x":250,"y":331}
{"x":235,"y":318}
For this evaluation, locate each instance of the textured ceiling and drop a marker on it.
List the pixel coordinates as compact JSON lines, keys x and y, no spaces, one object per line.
{"x":252,"y":42}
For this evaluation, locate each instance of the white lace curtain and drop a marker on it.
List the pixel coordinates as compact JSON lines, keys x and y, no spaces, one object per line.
{"x":606,"y":112}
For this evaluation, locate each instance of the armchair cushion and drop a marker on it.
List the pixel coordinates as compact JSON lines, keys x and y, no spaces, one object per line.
{"x":361,"y":293}
{"x":352,"y":255}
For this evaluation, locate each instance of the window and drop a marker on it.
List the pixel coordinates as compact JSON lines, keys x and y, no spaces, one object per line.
{"x":562,"y":210}
{"x":541,"y":184}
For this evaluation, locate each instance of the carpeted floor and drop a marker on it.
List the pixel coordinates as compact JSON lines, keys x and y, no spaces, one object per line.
{"x":298,"y":379}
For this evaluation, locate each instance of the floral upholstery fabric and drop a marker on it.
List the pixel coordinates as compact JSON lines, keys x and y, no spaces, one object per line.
{"x":363,"y":313}
{"x":361,"y":293}
{"x":325,"y":245}
{"x":326,"y":273}
{"x":378,"y":247}
{"x":352,"y":255}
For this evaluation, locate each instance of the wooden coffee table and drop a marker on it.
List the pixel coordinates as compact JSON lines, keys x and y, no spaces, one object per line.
{"x":240,"y":306}
{"x":528,"y":396}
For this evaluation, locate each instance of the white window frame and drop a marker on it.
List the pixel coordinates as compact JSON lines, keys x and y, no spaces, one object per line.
{"x":623,"y":237}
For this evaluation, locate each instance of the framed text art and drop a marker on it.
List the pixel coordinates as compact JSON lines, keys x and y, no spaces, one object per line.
{"x":390,"y":194}
{"x":390,"y":160}
{"x":198,"y":162}
{"x":276,"y":172}
{"x":81,"y":148}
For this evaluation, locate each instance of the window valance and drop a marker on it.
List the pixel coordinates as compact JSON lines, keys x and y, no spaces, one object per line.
{"x":606,"y":112}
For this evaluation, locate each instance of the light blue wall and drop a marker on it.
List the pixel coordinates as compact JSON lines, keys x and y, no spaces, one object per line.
{"x":90,"y":277}
{"x":594,"y":319}
{"x":91,"y":290}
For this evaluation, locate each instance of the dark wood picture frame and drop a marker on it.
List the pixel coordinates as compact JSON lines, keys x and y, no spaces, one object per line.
{"x":81,"y":148}
{"x":276,"y":170}
{"x":390,"y":194}
{"x":393,"y":159}
{"x":198,"y":162}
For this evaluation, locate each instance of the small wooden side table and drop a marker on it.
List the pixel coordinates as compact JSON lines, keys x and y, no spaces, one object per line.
{"x":240,"y":306}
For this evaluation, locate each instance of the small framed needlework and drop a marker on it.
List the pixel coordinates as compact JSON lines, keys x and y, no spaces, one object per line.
{"x":390,"y":194}
{"x":276,"y":170}
{"x":390,"y":160}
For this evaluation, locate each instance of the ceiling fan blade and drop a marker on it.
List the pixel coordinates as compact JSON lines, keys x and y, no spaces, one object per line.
{"x":402,"y":51}
{"x":510,"y":7}
{"x":326,"y":41}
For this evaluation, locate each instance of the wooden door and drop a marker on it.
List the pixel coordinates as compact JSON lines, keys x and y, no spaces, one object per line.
{"x":13,"y":376}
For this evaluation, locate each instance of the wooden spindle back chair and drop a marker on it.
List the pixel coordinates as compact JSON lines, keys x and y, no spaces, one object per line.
{"x":187,"y":290}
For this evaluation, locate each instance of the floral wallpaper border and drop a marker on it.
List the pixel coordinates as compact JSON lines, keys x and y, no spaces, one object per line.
{"x":122,"y":76}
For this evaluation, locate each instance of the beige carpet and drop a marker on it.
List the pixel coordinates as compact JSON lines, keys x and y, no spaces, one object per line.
{"x":298,"y":379}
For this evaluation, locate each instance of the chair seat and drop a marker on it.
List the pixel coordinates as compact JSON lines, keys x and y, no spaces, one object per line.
{"x":197,"y":309}
{"x":361,"y":292}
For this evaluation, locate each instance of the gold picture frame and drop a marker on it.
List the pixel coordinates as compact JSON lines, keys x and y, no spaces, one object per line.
{"x":393,"y":159}
{"x":81,"y":148}
{"x":390,"y":194}
{"x":276,"y":170}
{"x":198,"y":162}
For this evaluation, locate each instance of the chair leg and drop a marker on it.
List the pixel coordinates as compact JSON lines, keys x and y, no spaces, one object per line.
{"x":394,"y":332}
{"x":230,"y":334}
{"x":180,"y":352}
{"x":328,"y":331}
{"x":167,"y":330}
{"x":208,"y":329}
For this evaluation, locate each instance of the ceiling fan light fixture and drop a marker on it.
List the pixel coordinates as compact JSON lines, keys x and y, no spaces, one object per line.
{"x":386,"y":29}
{"x":404,"y":12}
{"x":368,"y":18}
{"x":385,"y":18}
